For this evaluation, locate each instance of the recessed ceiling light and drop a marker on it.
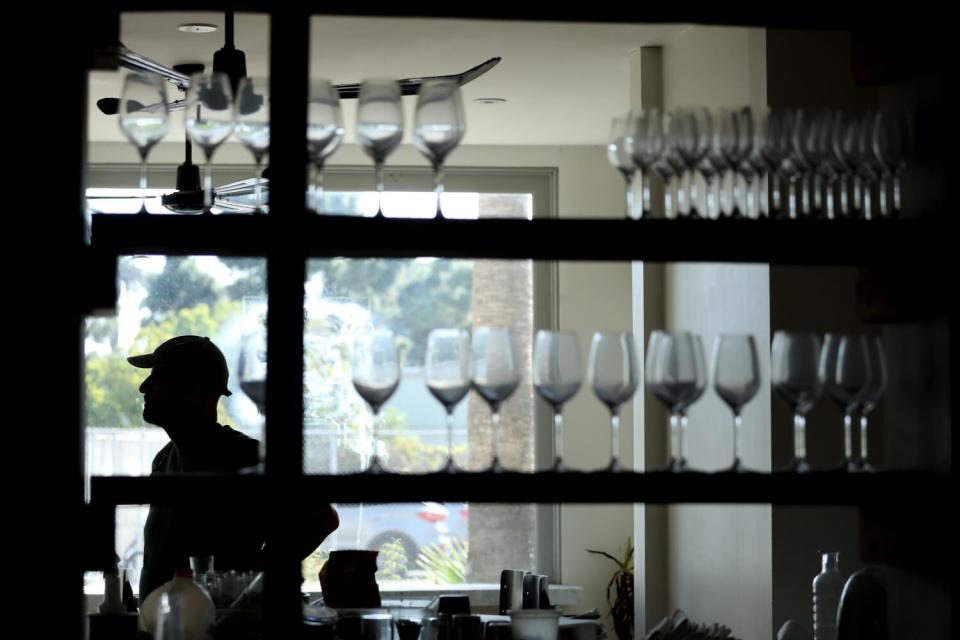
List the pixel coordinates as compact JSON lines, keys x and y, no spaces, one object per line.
{"x":197,"y":27}
{"x":489,"y":100}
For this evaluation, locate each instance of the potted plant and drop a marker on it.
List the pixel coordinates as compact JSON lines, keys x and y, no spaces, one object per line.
{"x":620,"y":592}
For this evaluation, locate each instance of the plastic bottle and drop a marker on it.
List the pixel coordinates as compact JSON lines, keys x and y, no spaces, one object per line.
{"x":194,"y":609}
{"x":827,"y":587}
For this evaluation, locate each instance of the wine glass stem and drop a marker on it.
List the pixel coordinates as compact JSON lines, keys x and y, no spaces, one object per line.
{"x":450,"y":437}
{"x":628,"y":178}
{"x":863,"y":440}
{"x":831,"y":213}
{"x":897,"y":203}
{"x":318,"y":188}
{"x":143,"y":181}
{"x":558,"y":434}
{"x":374,"y":458}
{"x":848,"y":438}
{"x":799,"y":439}
{"x":669,"y":209}
{"x":867,"y":197}
{"x":645,"y":193}
{"x":792,"y":197}
{"x":495,"y":435}
{"x":763,"y":186}
{"x":682,"y":440}
{"x":737,"y":438}
{"x":805,"y":193}
{"x":208,"y":186}
{"x":614,"y":441}
{"x":378,"y":170}
{"x":774,"y":178}
{"x":711,"y":189}
{"x":751,"y":203}
{"x":257,"y":192}
{"x":674,"y":447}
{"x":438,"y":185}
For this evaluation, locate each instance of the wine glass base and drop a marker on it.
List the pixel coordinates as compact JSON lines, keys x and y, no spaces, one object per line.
{"x":450,"y":467}
{"x":737,"y":467}
{"x":558,"y":466}
{"x":799,"y":466}
{"x":614,"y":466}
{"x":375,"y":466}
{"x":678,"y":465}
{"x":850,"y":466}
{"x":864,"y":466}
{"x":496,"y":467}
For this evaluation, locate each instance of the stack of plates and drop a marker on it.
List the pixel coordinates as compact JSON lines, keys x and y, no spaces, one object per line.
{"x":680,"y":627}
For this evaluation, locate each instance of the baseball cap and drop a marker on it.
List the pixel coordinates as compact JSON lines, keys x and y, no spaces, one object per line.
{"x":195,"y":355}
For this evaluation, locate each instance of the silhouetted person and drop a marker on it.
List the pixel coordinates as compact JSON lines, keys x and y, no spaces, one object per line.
{"x":189,"y":374}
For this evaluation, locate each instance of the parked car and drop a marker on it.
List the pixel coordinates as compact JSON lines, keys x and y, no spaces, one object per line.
{"x":414,"y":525}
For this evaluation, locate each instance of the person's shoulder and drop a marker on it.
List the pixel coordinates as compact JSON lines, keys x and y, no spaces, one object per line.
{"x":243,"y":450}
{"x":161,"y":461}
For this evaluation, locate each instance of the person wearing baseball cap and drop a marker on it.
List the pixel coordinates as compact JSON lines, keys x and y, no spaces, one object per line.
{"x":188,"y":374}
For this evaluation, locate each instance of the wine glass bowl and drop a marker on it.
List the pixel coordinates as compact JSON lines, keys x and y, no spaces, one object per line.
{"x":736,"y":379}
{"x":794,"y":375}
{"x":613,"y":377}
{"x":252,"y":125}
{"x":209,"y":120}
{"x":845,"y":373}
{"x":144,"y":118}
{"x":557,"y":377}
{"x":448,"y":375}
{"x":379,"y":124}
{"x":439,"y":126}
{"x":496,"y":375}
{"x":324,"y":133}
{"x":376,"y":376}
{"x":676,"y":375}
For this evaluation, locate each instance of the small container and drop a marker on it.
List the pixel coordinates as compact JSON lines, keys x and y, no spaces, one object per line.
{"x":511,"y":590}
{"x":535,"y":624}
{"x":467,"y":627}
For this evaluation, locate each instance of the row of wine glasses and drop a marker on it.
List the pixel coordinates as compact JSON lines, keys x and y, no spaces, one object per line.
{"x":851,"y":368}
{"x":439,"y":125}
{"x":733,"y":162}
{"x":211,"y":115}
{"x":215,"y":109}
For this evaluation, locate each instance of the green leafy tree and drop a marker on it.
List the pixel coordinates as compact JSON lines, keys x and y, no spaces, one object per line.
{"x":180,"y":285}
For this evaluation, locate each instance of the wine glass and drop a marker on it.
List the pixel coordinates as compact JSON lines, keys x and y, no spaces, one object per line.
{"x":613,"y":377}
{"x":845,"y":374}
{"x":676,"y":375}
{"x":252,"y":116}
{"x":324,"y":133}
{"x":448,"y":369}
{"x":144,"y":119}
{"x":496,"y":375}
{"x":795,"y":360}
{"x":690,"y":131}
{"x":253,"y":368}
{"x":438,"y":126}
{"x":736,"y":146}
{"x":379,"y":124}
{"x":376,"y":375}
{"x":209,"y":121}
{"x":619,"y":144}
{"x":776,"y":150}
{"x":891,"y":138}
{"x":646,"y":146}
{"x":557,"y":377}
{"x":736,"y":379}
{"x":871,"y":393}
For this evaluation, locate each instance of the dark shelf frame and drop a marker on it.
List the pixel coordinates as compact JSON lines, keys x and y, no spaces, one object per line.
{"x":893,"y":488}
{"x":922,"y":241}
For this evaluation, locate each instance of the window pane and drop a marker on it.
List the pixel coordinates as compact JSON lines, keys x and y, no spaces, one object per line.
{"x":420,"y":542}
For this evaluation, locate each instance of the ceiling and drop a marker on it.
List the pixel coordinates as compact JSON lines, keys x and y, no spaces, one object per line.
{"x":562,"y":81}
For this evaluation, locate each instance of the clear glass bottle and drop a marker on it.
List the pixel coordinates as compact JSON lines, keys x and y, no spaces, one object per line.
{"x":190,"y":608}
{"x":827,"y":587}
